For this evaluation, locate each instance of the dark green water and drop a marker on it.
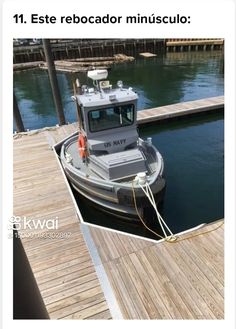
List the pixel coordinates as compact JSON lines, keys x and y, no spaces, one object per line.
{"x":193,"y":148}
{"x":166,"y":79}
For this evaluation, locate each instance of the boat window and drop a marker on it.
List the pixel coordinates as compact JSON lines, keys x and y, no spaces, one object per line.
{"x":112,"y":117}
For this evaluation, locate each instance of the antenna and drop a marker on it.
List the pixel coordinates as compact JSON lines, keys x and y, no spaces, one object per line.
{"x":77,"y":106}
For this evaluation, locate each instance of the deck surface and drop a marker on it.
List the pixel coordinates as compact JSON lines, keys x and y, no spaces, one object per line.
{"x":180,"y":109}
{"x":194,"y":42}
{"x":149,"y":280}
{"x":63,"y":268}
{"x":182,"y":280}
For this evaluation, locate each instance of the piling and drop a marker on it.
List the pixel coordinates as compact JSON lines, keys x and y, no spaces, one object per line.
{"x":53,"y":81}
{"x":17,"y":115}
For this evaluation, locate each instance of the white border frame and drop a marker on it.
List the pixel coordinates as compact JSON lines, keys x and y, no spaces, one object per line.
{"x":215,"y":18}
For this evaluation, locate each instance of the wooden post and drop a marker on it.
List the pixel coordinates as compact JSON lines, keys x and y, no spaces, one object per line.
{"x":17,"y":116}
{"x":53,"y":81}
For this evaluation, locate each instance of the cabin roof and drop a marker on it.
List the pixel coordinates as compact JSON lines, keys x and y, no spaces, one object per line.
{"x":107,"y":97}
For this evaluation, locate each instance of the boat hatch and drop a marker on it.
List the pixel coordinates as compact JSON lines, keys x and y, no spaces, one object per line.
{"x":118,"y":165}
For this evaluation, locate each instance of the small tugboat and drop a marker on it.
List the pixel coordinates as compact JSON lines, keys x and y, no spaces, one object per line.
{"x":106,"y":161}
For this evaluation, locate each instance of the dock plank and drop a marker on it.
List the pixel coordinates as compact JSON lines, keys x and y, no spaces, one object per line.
{"x":180,"y":109}
{"x":57,"y":308}
{"x":78,"y":307}
{"x":185,"y":279}
{"x":62,"y":267}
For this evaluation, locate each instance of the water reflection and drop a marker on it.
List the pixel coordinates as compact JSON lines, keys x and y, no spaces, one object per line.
{"x":166,"y":79}
{"x":193,"y":150}
{"x":175,"y":77}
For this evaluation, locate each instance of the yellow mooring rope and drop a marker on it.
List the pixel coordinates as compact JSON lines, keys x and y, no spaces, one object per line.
{"x":201,"y":233}
{"x":173,"y":238}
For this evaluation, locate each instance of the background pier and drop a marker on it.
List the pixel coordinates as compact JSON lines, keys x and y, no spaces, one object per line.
{"x":82,"y":48}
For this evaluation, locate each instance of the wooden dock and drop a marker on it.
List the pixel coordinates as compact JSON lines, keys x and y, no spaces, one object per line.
{"x":63,"y":268}
{"x":27,"y":66}
{"x":180,"y":109}
{"x":193,"y":44}
{"x":98,"y":274}
{"x":183,"y":280}
{"x":81,"y":48}
{"x":86,"y":64}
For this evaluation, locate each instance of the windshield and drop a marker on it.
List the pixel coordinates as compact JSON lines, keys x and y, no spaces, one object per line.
{"x":111,"y":117}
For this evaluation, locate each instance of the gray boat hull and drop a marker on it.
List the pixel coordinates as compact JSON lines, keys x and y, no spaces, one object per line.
{"x":112,"y":196}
